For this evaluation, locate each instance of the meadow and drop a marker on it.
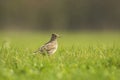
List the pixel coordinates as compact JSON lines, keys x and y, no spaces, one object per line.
{"x":80,"y":56}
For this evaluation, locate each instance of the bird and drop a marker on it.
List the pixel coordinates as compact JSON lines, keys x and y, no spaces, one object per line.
{"x":50,"y":47}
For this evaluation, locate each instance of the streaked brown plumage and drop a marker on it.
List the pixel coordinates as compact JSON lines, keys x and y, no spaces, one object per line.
{"x":50,"y":47}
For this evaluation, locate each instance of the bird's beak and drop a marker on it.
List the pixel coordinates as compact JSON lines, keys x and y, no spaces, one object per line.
{"x":58,"y":36}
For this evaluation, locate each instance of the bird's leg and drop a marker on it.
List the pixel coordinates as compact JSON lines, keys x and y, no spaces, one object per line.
{"x":45,"y":52}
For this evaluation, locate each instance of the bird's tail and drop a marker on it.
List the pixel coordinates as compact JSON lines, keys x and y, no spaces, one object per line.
{"x":36,"y":52}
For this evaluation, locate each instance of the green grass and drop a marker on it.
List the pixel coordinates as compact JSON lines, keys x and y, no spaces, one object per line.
{"x":79,"y":56}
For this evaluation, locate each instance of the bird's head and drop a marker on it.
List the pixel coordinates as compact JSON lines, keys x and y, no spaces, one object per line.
{"x":55,"y":36}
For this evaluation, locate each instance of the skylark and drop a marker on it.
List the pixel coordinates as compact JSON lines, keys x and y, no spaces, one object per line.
{"x":50,"y":47}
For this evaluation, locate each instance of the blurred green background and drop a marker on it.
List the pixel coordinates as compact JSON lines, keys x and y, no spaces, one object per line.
{"x":59,"y":14}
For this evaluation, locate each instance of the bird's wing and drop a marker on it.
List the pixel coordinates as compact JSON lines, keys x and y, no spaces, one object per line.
{"x":49,"y":46}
